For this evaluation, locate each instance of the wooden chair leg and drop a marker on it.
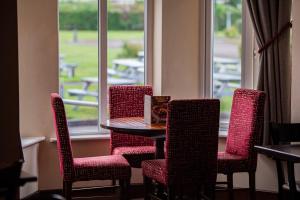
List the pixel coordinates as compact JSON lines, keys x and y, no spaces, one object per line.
{"x":230,"y":186}
{"x":113,"y":182}
{"x":209,"y":191}
{"x":67,"y":189}
{"x":280,"y":179}
{"x":171,"y":192}
{"x":147,"y":189}
{"x":252,"y":185}
{"x":291,"y":179}
{"x":125,"y":186}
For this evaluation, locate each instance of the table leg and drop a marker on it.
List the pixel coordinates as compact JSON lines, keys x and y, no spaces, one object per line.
{"x":291,"y":179}
{"x":159,"y":148}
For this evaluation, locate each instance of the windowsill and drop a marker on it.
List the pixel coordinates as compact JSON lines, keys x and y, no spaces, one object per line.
{"x":29,"y":141}
{"x":86,"y":137}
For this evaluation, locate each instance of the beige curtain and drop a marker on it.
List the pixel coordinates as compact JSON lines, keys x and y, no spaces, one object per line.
{"x":269,"y":18}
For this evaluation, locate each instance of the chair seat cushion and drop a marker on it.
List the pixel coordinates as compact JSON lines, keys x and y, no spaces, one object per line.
{"x":135,"y":154}
{"x":101,"y":168}
{"x":156,"y":170}
{"x":229,"y":163}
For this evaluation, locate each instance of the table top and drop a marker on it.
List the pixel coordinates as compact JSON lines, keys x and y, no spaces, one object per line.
{"x":282,"y":152}
{"x":135,"y":126}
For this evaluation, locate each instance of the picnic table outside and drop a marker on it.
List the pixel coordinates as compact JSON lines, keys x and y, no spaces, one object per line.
{"x":127,"y":71}
{"x":226,"y":76}
{"x":130,"y":68}
{"x":68,"y":67}
{"x":88,"y":81}
{"x":224,"y":82}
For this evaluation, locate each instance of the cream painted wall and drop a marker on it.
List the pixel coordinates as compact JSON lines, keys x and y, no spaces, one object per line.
{"x":296,"y":60}
{"x":38,"y":55}
{"x":178,"y":51}
{"x":176,"y":58}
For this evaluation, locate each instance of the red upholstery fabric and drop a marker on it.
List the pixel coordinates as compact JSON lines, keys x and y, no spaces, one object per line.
{"x":128,"y":101}
{"x":191,"y":145}
{"x":101,"y":168}
{"x":155,"y":169}
{"x":135,"y":155}
{"x":62,"y":134}
{"x":90,"y":168}
{"x":245,"y":129}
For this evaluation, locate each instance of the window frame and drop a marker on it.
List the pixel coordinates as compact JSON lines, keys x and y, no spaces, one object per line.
{"x":248,"y":70}
{"x":103,"y":49}
{"x":103,"y":63}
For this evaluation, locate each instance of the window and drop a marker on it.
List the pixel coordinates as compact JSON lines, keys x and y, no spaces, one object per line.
{"x":102,"y":43}
{"x":229,"y":62}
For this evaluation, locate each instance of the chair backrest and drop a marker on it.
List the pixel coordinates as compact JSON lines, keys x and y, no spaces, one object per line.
{"x":192,"y":141}
{"x":127,"y":101}
{"x":285,"y":133}
{"x":246,"y":123}
{"x":62,"y":134}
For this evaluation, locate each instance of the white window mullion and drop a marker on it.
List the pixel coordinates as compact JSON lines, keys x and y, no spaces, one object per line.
{"x":148,"y":40}
{"x":209,"y":20}
{"x":247,"y":69}
{"x":102,"y":75}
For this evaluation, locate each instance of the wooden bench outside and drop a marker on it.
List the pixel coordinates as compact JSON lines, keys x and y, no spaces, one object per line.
{"x":80,"y":103}
{"x":81,"y":93}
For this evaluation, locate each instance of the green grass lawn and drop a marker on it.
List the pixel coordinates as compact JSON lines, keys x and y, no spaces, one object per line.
{"x":85,"y":54}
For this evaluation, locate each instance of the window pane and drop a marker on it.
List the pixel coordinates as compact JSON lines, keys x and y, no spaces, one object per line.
{"x":125,"y":42}
{"x":78,"y":53}
{"x":226,"y":52}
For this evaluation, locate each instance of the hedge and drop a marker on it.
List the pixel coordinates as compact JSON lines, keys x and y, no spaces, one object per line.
{"x":84,"y":16}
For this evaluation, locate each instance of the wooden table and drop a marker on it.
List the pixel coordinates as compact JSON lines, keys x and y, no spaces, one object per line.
{"x":288,"y":153}
{"x":137,"y":126}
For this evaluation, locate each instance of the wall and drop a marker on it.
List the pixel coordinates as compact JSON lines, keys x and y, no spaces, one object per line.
{"x":176,"y":50}
{"x":296,"y":60}
{"x":295,"y":111}
{"x":178,"y":57}
{"x":38,"y":56}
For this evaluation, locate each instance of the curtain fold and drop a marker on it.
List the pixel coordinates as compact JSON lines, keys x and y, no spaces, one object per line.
{"x":268,"y":18}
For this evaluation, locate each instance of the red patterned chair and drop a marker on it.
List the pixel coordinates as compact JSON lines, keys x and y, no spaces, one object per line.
{"x":190,"y":166}
{"x":245,"y":131}
{"x":112,"y":167}
{"x":128,"y":101}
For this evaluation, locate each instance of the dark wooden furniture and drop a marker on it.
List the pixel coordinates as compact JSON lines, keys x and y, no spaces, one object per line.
{"x":11,"y":178}
{"x":137,"y":126}
{"x":290,"y":154}
{"x":285,"y":133}
{"x":26,"y":178}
